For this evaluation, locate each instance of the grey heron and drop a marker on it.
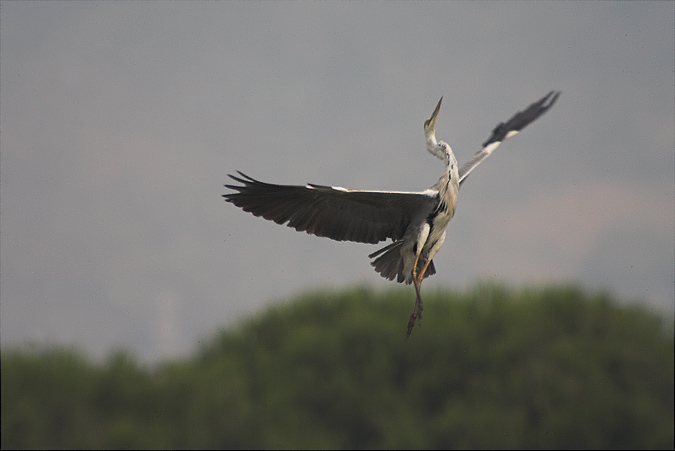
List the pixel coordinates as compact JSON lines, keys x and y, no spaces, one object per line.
{"x":414,"y":221}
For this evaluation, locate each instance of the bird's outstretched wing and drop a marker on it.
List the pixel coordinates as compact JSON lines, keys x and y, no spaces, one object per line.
{"x":507,"y":129}
{"x":337,"y":213}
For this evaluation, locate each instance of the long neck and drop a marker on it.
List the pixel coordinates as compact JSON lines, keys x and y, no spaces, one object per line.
{"x":451,"y":166}
{"x":434,"y":147}
{"x":450,"y":177}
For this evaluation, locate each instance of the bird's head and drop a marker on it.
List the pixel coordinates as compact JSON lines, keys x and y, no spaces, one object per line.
{"x":440,"y":149}
{"x":430,"y":125}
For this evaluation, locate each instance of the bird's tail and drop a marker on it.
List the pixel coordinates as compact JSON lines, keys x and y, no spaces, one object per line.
{"x":390,"y":263}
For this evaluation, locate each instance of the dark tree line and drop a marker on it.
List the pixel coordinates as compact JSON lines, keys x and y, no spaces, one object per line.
{"x":493,"y":367}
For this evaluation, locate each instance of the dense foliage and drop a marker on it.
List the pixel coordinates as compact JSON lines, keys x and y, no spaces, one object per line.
{"x":493,"y":367}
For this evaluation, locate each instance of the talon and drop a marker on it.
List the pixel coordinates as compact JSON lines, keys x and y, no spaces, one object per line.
{"x":417,"y":310}
{"x":411,"y":324}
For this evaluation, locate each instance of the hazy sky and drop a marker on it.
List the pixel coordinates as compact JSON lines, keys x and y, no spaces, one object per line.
{"x":121,"y":120}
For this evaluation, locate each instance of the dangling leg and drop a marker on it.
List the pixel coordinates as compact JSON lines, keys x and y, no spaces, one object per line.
{"x":418,"y":277}
{"x":418,"y":286}
{"x":417,"y":310}
{"x":418,"y":249}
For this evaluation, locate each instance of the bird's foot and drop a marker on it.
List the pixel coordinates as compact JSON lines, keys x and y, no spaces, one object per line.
{"x":416,"y":314}
{"x":411,"y":324}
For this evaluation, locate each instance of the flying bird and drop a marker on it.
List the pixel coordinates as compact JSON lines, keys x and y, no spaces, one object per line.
{"x":414,"y":221}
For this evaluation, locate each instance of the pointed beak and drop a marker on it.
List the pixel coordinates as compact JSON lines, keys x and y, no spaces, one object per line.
{"x":430,"y":124}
